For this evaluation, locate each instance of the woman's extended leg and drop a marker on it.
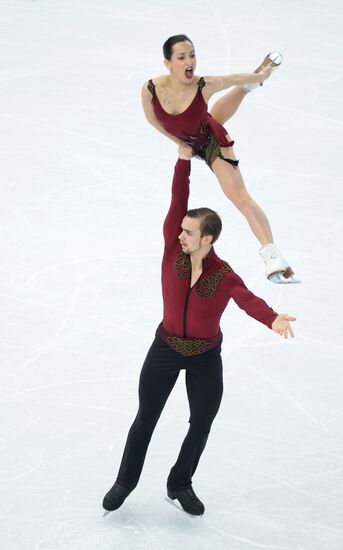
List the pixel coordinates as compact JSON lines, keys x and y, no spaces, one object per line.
{"x":232,"y":183}
{"x":226,"y":106}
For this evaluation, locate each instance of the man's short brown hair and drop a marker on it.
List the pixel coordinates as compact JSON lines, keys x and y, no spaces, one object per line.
{"x":210,"y":222}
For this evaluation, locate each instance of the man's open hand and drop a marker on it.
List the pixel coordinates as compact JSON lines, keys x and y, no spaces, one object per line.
{"x":282,"y":326}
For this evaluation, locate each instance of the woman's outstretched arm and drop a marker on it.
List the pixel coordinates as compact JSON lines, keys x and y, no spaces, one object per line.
{"x":216,"y":84}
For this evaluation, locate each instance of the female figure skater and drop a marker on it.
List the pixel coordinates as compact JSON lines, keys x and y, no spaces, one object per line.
{"x":176,"y":105}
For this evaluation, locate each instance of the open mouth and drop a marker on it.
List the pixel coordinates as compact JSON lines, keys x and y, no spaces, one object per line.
{"x":189,"y":72}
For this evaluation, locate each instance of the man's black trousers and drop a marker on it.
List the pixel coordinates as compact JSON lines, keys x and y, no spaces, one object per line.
{"x":204,"y":383}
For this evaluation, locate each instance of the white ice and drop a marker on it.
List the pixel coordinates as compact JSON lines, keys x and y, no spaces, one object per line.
{"x":85,"y":185}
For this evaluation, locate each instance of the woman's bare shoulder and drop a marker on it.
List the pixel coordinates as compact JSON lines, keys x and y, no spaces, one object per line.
{"x":209,"y":79}
{"x":159,"y":81}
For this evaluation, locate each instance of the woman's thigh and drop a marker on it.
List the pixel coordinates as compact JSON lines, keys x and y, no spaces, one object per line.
{"x":226,"y":106}
{"x":230,"y":178}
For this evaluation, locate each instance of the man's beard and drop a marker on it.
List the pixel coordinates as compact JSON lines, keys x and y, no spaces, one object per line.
{"x":192,"y":251}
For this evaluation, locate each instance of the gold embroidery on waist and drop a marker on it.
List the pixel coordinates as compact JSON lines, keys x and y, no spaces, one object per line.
{"x":188,"y":347}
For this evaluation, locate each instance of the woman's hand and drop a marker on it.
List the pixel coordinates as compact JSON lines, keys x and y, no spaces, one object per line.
{"x":265,"y":73}
{"x":282,"y":326}
{"x":185,"y":151}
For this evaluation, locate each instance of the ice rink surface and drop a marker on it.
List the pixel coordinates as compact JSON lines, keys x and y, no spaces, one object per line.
{"x":85,"y":185}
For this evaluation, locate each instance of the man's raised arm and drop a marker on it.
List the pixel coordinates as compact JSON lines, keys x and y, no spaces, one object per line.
{"x":179,"y":201}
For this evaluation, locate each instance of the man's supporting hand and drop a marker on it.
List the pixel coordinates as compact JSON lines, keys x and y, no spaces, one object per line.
{"x":185,"y":151}
{"x":282,"y":326}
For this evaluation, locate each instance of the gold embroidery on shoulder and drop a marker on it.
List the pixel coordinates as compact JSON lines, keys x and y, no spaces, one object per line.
{"x":182,"y":264}
{"x":208,"y":286}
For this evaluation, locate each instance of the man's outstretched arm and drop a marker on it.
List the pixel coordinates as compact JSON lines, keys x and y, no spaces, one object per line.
{"x":257,"y":308}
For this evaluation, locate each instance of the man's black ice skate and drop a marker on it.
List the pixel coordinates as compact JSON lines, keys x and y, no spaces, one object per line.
{"x":188,"y":500}
{"x":115,"y":497}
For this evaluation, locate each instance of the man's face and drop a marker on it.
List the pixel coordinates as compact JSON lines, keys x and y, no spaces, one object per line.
{"x":190,"y":236}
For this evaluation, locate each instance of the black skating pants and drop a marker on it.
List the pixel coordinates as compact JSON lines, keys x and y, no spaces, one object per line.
{"x":159,"y":373}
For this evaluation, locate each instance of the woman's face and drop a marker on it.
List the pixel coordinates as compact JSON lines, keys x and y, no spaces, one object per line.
{"x":183,"y":61}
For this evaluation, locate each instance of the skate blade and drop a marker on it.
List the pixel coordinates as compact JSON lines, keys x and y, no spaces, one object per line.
{"x":106,"y":512}
{"x":273,"y":59}
{"x":176,"y":504}
{"x":173,"y":503}
{"x":279,"y":279}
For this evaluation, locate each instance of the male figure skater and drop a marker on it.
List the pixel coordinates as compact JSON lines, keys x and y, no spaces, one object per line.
{"x":196,"y":287}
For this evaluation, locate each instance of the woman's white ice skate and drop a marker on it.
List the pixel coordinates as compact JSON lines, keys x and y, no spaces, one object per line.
{"x":278,"y":270}
{"x":273,"y":59}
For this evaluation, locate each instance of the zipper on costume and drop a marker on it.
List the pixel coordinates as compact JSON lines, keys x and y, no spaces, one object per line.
{"x":186,"y":303}
{"x":185,"y":312}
